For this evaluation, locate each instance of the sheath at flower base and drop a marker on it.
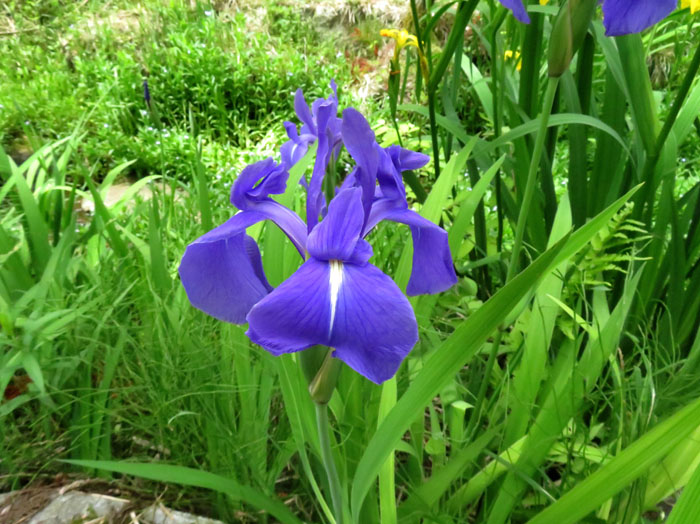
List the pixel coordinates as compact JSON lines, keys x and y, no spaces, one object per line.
{"x":620,"y":17}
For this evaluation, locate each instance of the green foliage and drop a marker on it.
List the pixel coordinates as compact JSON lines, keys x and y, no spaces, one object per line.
{"x":210,"y":72}
{"x":557,"y":382}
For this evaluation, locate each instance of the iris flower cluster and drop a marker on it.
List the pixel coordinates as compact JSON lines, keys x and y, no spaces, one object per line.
{"x":620,"y":17}
{"x":336,"y":298}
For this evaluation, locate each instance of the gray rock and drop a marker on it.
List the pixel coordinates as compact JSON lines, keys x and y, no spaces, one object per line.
{"x":158,"y":514}
{"x":76,"y":505}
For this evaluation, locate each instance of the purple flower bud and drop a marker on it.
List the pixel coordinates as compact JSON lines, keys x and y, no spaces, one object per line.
{"x":146,"y":93}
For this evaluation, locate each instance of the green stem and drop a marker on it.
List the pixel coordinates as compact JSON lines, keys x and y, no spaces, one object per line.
{"x":328,"y":462}
{"x":483,"y":387}
{"x":653,"y":159}
{"x":532,"y":177}
{"x":434,"y":132}
{"x":329,"y":181}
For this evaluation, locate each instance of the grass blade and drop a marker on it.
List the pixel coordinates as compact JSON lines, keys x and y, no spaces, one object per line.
{"x":623,"y":469}
{"x":195,"y":477}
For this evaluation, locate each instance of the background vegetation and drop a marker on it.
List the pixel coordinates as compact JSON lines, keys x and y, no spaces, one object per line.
{"x":567,"y":396}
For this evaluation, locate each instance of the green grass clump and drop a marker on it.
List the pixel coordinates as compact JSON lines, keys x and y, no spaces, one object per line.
{"x":226,"y":75}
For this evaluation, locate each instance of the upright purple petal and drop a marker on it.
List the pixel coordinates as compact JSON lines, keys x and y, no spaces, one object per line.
{"x":338,"y":234}
{"x":303,"y":112}
{"x":315,"y":198}
{"x":622,"y":17}
{"x":432,"y":270}
{"x":355,"y":309}
{"x":360,"y":141}
{"x":389,"y":178}
{"x":519,"y":10}
{"x":296,"y":147}
{"x":222,"y":272}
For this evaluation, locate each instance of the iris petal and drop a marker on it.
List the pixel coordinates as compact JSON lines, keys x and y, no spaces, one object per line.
{"x":315,"y":197}
{"x":405,"y":159}
{"x":375,"y":327}
{"x":432,"y":271}
{"x":257,"y":181}
{"x":222,"y":272}
{"x":296,"y":315}
{"x":296,"y":147}
{"x":518,"y":9}
{"x":372,"y":326}
{"x":303,"y":111}
{"x":338,"y":234}
{"x":359,"y":138}
{"x":622,"y":17}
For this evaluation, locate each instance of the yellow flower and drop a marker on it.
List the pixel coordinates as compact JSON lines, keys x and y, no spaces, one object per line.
{"x":693,"y":4}
{"x":515,"y":55}
{"x":543,"y":2}
{"x":402,"y":37}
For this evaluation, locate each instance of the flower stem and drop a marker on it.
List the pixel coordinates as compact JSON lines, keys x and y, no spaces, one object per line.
{"x":328,"y":462}
{"x":532,"y":177}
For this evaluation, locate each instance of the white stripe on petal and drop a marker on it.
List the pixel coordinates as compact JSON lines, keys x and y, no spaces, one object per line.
{"x":335,"y":280}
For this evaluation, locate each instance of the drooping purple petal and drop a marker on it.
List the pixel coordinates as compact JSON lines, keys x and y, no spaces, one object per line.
{"x":357,"y":310}
{"x":432,"y":270}
{"x":519,"y":10}
{"x":222,"y":272}
{"x":338,"y":234}
{"x":296,"y":315}
{"x":375,"y":327}
{"x":622,"y":17}
{"x":286,"y":219}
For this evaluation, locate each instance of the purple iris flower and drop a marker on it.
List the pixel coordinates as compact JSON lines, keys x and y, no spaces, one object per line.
{"x":336,"y":298}
{"x":620,"y":17}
